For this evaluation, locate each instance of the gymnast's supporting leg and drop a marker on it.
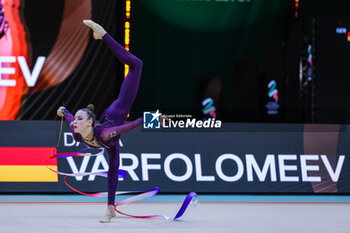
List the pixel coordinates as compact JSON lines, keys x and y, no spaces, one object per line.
{"x":112,"y":182}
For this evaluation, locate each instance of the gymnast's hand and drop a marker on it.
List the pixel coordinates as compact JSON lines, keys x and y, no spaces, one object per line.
{"x":60,"y":111}
{"x":163,"y":119}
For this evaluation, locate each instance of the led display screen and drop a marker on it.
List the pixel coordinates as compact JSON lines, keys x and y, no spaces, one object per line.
{"x":48,"y":57}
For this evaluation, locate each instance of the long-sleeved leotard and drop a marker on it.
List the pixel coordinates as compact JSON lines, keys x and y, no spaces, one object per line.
{"x":107,"y":133}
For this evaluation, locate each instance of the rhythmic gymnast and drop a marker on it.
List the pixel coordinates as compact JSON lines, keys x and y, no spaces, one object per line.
{"x":107,"y":133}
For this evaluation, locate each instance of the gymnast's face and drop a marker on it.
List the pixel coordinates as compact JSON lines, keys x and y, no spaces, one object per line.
{"x":81,"y":121}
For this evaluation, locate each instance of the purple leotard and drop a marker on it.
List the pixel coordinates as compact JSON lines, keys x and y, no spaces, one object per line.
{"x":113,"y":118}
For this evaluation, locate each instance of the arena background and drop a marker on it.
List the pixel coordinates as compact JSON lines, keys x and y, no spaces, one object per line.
{"x":233,"y":48}
{"x":279,"y":62}
{"x":275,"y":72}
{"x":95,"y":78}
{"x":77,"y":71}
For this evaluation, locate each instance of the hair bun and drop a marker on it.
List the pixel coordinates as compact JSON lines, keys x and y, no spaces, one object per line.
{"x":91,"y":107}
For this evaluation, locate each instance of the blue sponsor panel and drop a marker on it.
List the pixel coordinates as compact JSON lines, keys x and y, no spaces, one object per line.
{"x":238,"y":158}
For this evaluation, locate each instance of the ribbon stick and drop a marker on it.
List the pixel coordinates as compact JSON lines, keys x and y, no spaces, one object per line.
{"x":59,"y":136}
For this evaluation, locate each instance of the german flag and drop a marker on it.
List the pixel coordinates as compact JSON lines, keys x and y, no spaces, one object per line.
{"x":27,"y":164}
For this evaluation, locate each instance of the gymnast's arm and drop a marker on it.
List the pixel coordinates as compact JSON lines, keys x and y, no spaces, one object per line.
{"x":109,"y":133}
{"x":62,"y":111}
